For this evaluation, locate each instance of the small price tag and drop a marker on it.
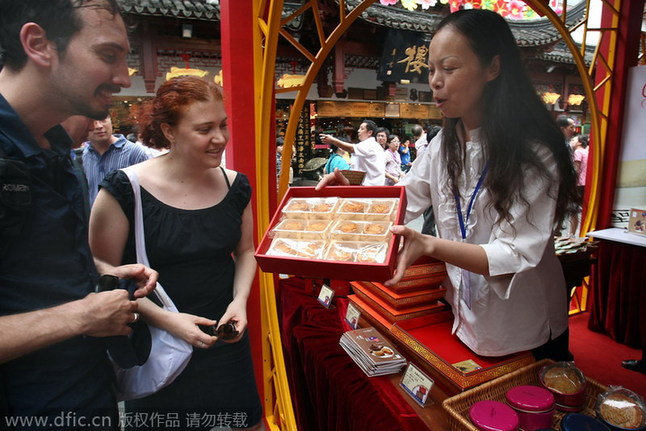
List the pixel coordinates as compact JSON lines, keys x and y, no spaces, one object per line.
{"x":352,"y":316}
{"x":417,"y":384}
{"x":325,"y":296}
{"x":467,"y":366}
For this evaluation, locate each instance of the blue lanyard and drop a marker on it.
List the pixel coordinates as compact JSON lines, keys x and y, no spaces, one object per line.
{"x":463,"y":221}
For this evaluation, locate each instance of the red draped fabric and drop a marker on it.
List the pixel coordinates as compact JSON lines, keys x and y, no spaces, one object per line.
{"x":329,"y":391}
{"x":618,"y":305}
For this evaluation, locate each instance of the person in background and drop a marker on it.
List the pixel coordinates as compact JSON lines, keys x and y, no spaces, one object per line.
{"x":432,"y":131}
{"x":336,"y":159}
{"x":579,"y":145}
{"x":428,"y":225}
{"x":367,"y":156}
{"x":78,"y":127}
{"x":405,"y":155}
{"x":135,"y":136}
{"x":638,"y":365}
{"x":199,"y":223}
{"x":105,"y":152}
{"x":566,"y":124}
{"x":419,"y":136}
{"x":280,"y":142}
{"x":53,"y":361}
{"x":393,"y":171}
{"x":497,"y":193}
{"x":382,"y":137}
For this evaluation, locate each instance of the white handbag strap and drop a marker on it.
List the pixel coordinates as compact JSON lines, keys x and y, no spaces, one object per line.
{"x":140,"y":240}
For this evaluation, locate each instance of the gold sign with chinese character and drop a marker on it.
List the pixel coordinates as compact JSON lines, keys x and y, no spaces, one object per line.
{"x":404,"y":58}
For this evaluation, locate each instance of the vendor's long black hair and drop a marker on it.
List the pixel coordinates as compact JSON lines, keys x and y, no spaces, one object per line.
{"x":514,"y":117}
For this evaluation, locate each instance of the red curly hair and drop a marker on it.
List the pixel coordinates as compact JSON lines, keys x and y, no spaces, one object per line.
{"x":171,"y":101}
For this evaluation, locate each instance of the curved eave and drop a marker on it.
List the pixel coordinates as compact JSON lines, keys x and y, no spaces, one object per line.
{"x":537,"y":32}
{"x":561,"y":54}
{"x":191,"y":9}
{"x":185,"y":9}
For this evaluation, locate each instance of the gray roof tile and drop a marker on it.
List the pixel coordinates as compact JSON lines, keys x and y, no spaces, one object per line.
{"x":187,"y":9}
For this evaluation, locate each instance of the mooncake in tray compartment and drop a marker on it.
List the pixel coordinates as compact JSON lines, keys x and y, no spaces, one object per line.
{"x":310,"y":208}
{"x":287,"y":247}
{"x":350,"y":230}
{"x":302,"y":229}
{"x":356,"y":251}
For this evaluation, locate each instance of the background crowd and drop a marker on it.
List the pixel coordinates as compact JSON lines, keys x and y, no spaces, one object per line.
{"x":388,"y":168}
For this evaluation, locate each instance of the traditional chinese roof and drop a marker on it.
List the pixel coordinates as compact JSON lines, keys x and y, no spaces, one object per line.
{"x":539,"y":32}
{"x":186,"y":9}
{"x":528,"y":33}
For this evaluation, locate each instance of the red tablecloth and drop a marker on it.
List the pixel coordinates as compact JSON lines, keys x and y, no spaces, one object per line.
{"x":618,"y":286}
{"x":329,"y":391}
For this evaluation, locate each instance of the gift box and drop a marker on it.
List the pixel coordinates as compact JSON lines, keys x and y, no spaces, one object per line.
{"x":417,"y":283}
{"x":426,"y":272}
{"x":425,"y":267}
{"x":392,"y":314}
{"x":406,"y":300}
{"x":345,"y":257}
{"x":369,"y":317}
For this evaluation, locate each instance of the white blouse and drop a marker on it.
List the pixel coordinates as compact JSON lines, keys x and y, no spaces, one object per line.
{"x":523,"y":301}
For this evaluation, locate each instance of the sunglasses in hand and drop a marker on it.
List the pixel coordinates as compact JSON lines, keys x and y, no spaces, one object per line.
{"x":226,"y":331}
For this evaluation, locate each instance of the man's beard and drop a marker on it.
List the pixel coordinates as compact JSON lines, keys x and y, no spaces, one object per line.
{"x":94,"y":113}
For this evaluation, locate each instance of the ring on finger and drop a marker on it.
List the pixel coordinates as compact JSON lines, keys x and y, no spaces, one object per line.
{"x":135,"y":317}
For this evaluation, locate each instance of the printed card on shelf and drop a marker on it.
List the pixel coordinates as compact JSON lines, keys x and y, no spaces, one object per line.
{"x":352,"y":316}
{"x":325,"y":296}
{"x":417,"y":384}
{"x":637,"y":221}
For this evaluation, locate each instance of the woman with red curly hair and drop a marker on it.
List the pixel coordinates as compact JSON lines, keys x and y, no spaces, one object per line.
{"x":199,"y":237}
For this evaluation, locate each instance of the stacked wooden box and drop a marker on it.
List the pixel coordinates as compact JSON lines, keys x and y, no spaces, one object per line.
{"x":416,"y":295}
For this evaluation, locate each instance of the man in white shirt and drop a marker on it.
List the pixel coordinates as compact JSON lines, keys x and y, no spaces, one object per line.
{"x":367,"y":155}
{"x":419,"y":137}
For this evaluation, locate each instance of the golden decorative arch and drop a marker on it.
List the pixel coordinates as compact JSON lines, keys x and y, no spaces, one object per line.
{"x":271,"y":26}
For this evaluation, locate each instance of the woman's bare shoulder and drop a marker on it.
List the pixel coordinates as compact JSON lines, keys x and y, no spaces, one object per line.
{"x":230,"y":173}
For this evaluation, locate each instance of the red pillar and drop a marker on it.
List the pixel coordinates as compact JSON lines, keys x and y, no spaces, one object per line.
{"x":239,"y":94}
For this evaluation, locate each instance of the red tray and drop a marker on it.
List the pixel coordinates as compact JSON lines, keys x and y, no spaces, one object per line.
{"x":314,"y":268}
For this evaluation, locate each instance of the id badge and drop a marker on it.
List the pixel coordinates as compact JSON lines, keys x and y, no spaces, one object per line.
{"x":465,"y":290}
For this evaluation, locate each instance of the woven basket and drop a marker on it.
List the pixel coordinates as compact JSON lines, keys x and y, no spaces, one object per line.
{"x":355,"y":177}
{"x":457,"y":407}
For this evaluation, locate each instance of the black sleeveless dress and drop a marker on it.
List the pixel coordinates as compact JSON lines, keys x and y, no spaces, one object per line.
{"x":191,"y":250}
